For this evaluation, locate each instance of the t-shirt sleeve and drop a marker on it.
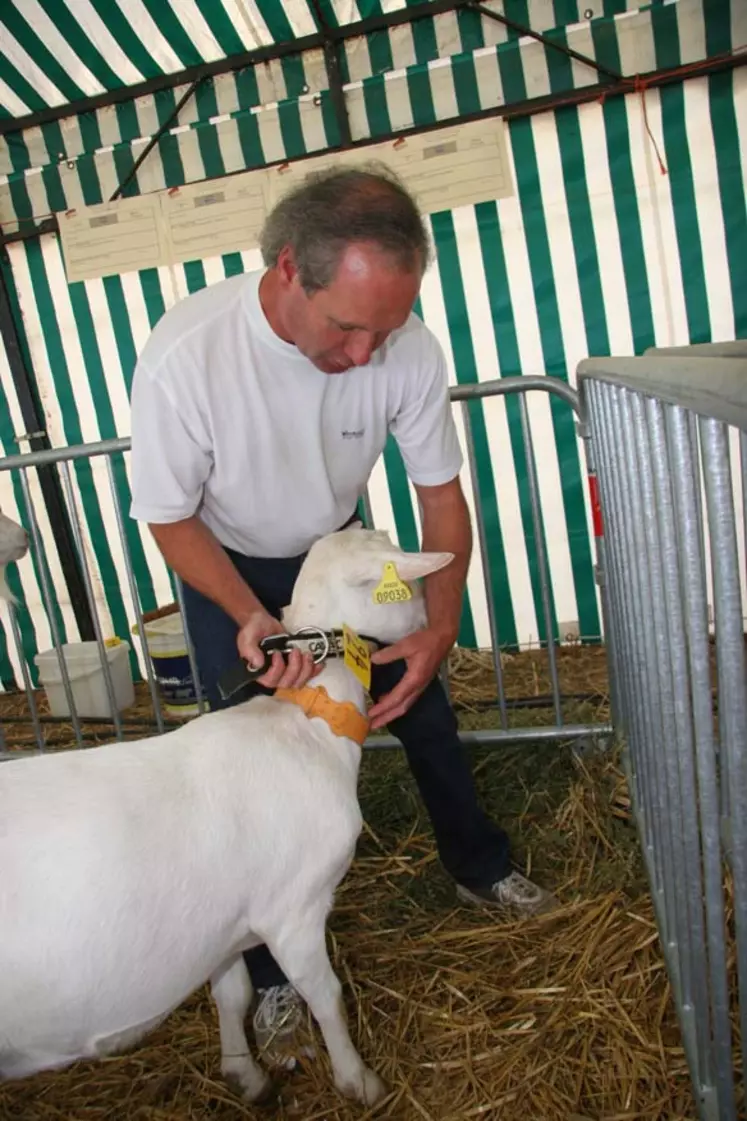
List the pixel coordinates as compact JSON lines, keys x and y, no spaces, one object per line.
{"x":171,"y":460}
{"x":423,"y":426}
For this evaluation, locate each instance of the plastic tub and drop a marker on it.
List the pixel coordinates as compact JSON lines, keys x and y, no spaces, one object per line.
{"x":167,"y":646}
{"x":87,"y":679}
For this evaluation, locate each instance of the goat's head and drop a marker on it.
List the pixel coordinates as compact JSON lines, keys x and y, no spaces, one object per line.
{"x":14,"y":544}
{"x":340,"y":575}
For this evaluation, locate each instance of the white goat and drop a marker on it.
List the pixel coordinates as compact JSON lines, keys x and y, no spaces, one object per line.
{"x":131,"y":874}
{"x":14,"y":543}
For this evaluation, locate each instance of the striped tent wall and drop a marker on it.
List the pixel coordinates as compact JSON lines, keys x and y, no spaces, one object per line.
{"x":598,"y":251}
{"x":55,"y":54}
{"x":259,"y":116}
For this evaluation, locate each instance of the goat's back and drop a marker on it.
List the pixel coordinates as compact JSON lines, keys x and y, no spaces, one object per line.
{"x":131,"y":871}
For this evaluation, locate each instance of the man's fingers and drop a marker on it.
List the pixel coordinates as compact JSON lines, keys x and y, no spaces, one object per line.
{"x":396,"y":702}
{"x":299,"y":671}
{"x":388,"y":654}
{"x":291,"y":675}
{"x":276,"y":671}
{"x":389,"y":714}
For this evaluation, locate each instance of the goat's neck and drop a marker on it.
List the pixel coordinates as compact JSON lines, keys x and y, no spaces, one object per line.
{"x":340,"y":683}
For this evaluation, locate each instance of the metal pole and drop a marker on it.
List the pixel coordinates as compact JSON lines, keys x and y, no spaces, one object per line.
{"x":542,"y":564}
{"x":546,"y":41}
{"x":601,"y":574}
{"x":687,"y":515}
{"x":155,"y":138}
{"x":27,"y":682}
{"x":677,"y":742}
{"x":484,"y":554}
{"x":85,"y":568}
{"x":732,"y":670}
{"x":49,"y":605}
{"x":152,"y":686}
{"x":617,"y":589}
{"x":633,"y":624}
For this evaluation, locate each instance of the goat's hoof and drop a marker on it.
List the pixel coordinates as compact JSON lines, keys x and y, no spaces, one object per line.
{"x":252,"y":1084}
{"x":270,"y":1095}
{"x":373,"y":1088}
{"x":367,"y":1088}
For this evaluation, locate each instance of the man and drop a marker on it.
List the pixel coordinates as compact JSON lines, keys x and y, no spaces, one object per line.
{"x":259,"y":408}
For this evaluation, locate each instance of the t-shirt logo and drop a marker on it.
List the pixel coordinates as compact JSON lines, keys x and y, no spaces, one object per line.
{"x":352,"y":433}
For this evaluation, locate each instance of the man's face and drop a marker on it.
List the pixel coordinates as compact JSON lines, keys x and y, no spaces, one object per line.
{"x":341,"y":326}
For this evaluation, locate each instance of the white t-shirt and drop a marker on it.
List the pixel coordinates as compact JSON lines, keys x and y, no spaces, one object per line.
{"x":233,"y":424}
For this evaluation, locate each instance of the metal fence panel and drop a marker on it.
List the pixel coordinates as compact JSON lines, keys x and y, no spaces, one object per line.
{"x":466,"y":397}
{"x":663,"y":430}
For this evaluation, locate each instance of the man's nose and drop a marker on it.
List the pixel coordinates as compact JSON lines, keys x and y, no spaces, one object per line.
{"x":361,"y":346}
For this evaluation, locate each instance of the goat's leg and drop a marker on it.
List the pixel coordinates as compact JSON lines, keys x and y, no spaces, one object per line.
{"x":303,"y":958}
{"x":231,"y":989}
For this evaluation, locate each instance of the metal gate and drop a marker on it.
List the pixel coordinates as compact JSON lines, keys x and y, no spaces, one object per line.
{"x":467,"y":397}
{"x":669,"y":433}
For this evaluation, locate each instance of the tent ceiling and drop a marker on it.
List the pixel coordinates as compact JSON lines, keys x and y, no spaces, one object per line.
{"x":58,"y":52}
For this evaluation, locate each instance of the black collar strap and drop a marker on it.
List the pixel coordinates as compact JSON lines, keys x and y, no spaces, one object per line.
{"x":313,"y":640}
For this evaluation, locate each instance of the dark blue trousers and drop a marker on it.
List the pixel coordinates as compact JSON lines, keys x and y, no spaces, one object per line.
{"x":473,"y":849}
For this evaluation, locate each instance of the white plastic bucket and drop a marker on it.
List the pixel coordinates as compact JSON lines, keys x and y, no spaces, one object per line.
{"x":167,"y":646}
{"x":87,"y":680}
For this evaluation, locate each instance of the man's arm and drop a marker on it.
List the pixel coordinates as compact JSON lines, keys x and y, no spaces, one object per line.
{"x":196,"y":555}
{"x":446,"y":528}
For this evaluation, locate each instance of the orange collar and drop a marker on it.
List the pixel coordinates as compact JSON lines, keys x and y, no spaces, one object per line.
{"x":342,"y":716}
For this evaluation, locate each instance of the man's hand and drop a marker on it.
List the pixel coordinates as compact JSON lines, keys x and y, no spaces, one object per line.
{"x":423,"y":652}
{"x":294,"y":674}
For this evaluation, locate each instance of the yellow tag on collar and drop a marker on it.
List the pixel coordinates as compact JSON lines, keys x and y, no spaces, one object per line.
{"x":391,"y":589}
{"x":356,"y":656}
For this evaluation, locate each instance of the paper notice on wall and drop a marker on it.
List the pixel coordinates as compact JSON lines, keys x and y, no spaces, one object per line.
{"x":220,"y":216}
{"x":112,"y":238}
{"x":458,"y":166}
{"x":281,"y":178}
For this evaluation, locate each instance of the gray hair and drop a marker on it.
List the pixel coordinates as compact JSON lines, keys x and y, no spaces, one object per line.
{"x":334,"y":208}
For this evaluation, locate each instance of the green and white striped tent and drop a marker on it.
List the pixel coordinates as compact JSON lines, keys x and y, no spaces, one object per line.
{"x":623,"y":226}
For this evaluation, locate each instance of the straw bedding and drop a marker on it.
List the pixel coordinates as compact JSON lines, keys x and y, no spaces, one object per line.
{"x":567,"y":1017}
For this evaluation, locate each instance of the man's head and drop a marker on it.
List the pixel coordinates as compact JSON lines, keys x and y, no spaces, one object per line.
{"x":346,"y":251}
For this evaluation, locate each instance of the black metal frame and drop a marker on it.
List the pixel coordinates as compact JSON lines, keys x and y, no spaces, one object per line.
{"x":652,"y":80}
{"x":154,"y":139}
{"x":334,"y":78}
{"x":522,"y":29}
{"x":38,"y":440}
{"x":334,"y":35}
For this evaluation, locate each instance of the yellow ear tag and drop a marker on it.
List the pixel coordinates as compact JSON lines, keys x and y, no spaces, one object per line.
{"x":391,"y":589}
{"x":112,"y":641}
{"x":357,"y":658}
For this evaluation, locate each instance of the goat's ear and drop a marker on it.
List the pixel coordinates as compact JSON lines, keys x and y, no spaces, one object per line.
{"x":409,"y":566}
{"x":413,"y":566}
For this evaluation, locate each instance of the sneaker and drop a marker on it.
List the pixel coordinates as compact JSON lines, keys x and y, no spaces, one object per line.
{"x":277,"y":1019}
{"x":513,"y":893}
